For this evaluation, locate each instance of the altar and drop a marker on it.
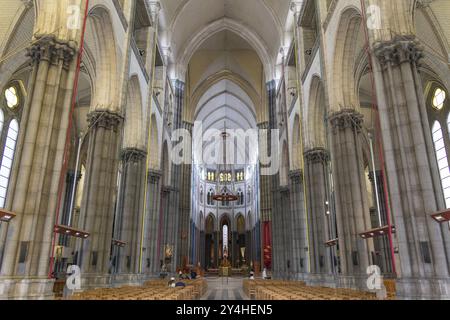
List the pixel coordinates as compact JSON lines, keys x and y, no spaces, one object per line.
{"x":225,"y":272}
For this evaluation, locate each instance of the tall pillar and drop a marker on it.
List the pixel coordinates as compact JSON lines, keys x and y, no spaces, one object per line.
{"x":316,"y":168}
{"x":169,"y":225}
{"x":413,"y":176}
{"x":300,"y":255}
{"x":265,"y":186}
{"x":185,"y":202}
{"x":129,"y":224}
{"x":152,"y":223}
{"x":97,"y":208}
{"x":39,"y":160}
{"x":352,"y":210}
{"x":381,"y":244}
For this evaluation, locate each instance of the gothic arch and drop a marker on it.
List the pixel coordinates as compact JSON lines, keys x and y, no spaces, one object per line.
{"x":284,"y":165}
{"x":316,"y":133}
{"x":22,"y":25}
{"x":101,"y":41}
{"x":220,"y":25}
{"x":134,"y":129}
{"x":216,"y":78}
{"x":154,"y":161}
{"x":344,"y":82}
{"x":166,"y":165}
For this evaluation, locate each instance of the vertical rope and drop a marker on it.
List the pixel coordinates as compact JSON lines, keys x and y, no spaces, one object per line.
{"x":149,"y":141}
{"x":302,"y":164}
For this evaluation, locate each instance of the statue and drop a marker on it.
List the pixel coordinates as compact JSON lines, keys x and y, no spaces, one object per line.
{"x":225,"y":262}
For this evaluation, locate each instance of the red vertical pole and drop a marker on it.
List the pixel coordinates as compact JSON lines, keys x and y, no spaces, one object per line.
{"x":67,"y":146}
{"x":379,"y":139}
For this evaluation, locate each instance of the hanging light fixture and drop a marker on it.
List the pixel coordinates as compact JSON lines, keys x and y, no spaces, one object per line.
{"x":226,"y":195}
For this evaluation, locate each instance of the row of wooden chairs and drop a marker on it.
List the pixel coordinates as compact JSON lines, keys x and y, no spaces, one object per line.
{"x":295,"y":290}
{"x":152,"y":290}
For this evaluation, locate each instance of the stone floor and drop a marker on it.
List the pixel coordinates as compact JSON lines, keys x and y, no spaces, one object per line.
{"x":221,"y":289}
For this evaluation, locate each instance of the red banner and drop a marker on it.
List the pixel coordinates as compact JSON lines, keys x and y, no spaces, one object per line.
{"x":267,"y":244}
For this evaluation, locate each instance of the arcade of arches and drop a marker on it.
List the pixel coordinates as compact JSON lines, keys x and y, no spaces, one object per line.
{"x":349,"y":100}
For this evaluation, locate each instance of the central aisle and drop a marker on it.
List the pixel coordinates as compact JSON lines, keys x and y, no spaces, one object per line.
{"x":219,"y":289}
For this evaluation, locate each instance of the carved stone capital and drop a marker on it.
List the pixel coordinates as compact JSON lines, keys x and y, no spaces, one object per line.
{"x":132,"y":155}
{"x":48,"y":48}
{"x":263,"y":125}
{"x":296,"y":176}
{"x":317,"y":155}
{"x":105,"y":119}
{"x":345,"y":119}
{"x":154,"y":176}
{"x":400,"y":50}
{"x":188,"y":126}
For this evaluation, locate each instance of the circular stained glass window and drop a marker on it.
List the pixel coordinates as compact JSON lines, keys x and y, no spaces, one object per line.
{"x":439,"y":98}
{"x":12,"y":97}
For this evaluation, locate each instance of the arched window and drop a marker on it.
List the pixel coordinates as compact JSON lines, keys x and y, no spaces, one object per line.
{"x":439,"y":99}
{"x":225,"y":238}
{"x":2,"y":120}
{"x":7,"y":159}
{"x":441,"y":156}
{"x":12,"y":97}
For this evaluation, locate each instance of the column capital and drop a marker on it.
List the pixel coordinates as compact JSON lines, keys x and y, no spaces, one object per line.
{"x":154,"y":176}
{"x":346,"y":118}
{"x":187,"y":125}
{"x":48,"y":48}
{"x":133,"y":155}
{"x":105,"y":119}
{"x":296,"y":176}
{"x":296,"y":7}
{"x":263,"y":125}
{"x":404,"y":49}
{"x":317,"y":155}
{"x":155,"y":8}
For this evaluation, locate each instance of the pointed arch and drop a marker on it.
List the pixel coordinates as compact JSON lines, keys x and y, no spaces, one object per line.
{"x":134,"y":131}
{"x":7,"y":159}
{"x":166,"y":165}
{"x":284,"y":168}
{"x":244,"y":31}
{"x":442,"y":160}
{"x":316,"y":133}
{"x":346,"y":45}
{"x":100,"y":40}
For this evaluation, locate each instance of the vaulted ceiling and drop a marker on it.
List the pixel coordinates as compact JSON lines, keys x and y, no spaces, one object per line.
{"x":262,"y":22}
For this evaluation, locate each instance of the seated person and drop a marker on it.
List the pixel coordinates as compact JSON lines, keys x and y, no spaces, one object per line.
{"x":172,"y":283}
{"x":252,"y":275}
{"x":193,"y":275}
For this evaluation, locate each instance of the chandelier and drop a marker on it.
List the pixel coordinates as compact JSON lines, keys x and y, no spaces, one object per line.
{"x":226,"y":195}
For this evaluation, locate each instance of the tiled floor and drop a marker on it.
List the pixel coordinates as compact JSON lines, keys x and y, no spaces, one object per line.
{"x":221,"y":289}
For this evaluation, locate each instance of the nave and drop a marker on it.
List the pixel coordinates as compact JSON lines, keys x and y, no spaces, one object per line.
{"x":232,"y":289}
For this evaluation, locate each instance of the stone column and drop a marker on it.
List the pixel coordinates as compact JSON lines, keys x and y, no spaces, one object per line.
{"x":381,"y":244}
{"x":39,"y":162}
{"x":352,"y":211}
{"x":285,"y":232}
{"x":152,"y":224}
{"x":129,"y":224}
{"x":169,"y":234}
{"x":413,"y":176}
{"x":185,"y":202}
{"x":316,"y":162}
{"x":300,"y":255}
{"x":97,"y":208}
